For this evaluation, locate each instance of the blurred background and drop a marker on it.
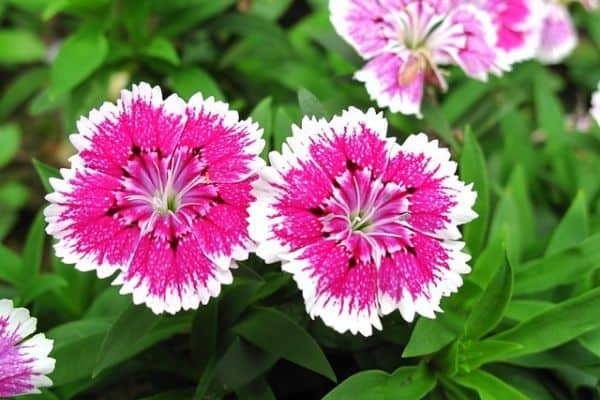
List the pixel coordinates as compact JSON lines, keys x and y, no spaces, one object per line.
{"x":273,"y":60}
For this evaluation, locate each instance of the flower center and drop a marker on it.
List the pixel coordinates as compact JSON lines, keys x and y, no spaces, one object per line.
{"x":165,"y":203}
{"x":155,"y":186}
{"x":366,"y":215}
{"x":359,"y":222}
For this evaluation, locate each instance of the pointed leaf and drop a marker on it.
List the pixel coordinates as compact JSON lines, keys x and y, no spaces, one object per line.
{"x":573,"y":228}
{"x":567,"y":266}
{"x":263,"y":115}
{"x":404,"y":383}
{"x":431,"y":335}
{"x":490,"y":308}
{"x":276,"y":333}
{"x":126,"y":331}
{"x":489,"y":387}
{"x":78,"y":57}
{"x":310,"y":105}
{"x":555,"y":326}
{"x":474,"y":170}
{"x":45,"y":172}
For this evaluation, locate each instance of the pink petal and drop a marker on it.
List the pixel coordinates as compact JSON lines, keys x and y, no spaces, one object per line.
{"x":82,"y":218}
{"x":365,"y":24}
{"x":414,"y":281}
{"x":228,"y":144}
{"x":595,"y":110}
{"x":342,"y":205}
{"x":170,"y":275}
{"x":558,"y":37}
{"x":24,"y":361}
{"x":381,"y":77}
{"x":160,"y":191}
{"x":518,"y":27}
{"x":139,"y":119}
{"x":468,"y":38}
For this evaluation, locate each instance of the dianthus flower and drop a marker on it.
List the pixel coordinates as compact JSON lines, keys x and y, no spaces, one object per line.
{"x":159,"y":191}
{"x":407,"y":41}
{"x":595,"y":110}
{"x":558,"y":37}
{"x":24,"y":361}
{"x":366,"y":226}
{"x":517,"y":25}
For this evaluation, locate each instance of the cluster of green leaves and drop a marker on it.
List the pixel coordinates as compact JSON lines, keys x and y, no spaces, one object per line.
{"x":523,"y":326}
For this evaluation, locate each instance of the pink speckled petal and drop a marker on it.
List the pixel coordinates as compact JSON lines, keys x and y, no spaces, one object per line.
{"x":158,"y":191}
{"x":24,"y":361}
{"x":362,"y":223}
{"x":381,"y":77}
{"x":558,"y":37}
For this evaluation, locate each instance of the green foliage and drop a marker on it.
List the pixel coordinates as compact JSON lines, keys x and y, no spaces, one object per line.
{"x":524,"y":323}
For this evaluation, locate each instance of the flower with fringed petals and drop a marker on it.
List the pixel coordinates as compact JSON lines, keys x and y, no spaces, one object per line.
{"x":517,"y":24}
{"x":159,"y":192}
{"x":365,"y":225}
{"x":558,"y":36}
{"x":595,"y":109}
{"x":407,"y":42}
{"x":24,"y":361}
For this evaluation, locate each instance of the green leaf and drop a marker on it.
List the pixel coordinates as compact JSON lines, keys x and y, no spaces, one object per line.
{"x":555,"y":326}
{"x":10,"y":141}
{"x":310,"y":105}
{"x":437,"y":122}
{"x":573,"y":228}
{"x":276,"y":333}
{"x":69,"y":340}
{"x":204,"y":334}
{"x":269,"y":9}
{"x":489,"y":261}
{"x":490,"y":308}
{"x":404,"y":383}
{"x":263,"y":114}
{"x":188,"y":81}
{"x":282,"y":127}
{"x":20,"y":46}
{"x":13,"y":195}
{"x":474,"y":170}
{"x":78,"y":57}
{"x":33,"y":249}
{"x":21,"y":88}
{"x":257,"y":390}
{"x":171,"y":395}
{"x":42,"y":284}
{"x":514,"y":217}
{"x":127,"y":330}
{"x":520,"y":310}
{"x":90,"y":6}
{"x":431,"y":335}
{"x":45,"y":172}
{"x":161,"y":48}
{"x":461,"y":98}
{"x":488,"y":386}
{"x":187,"y":15}
{"x":473,"y":354}
{"x":562,"y":268}
{"x":242,"y":363}
{"x":10,"y":265}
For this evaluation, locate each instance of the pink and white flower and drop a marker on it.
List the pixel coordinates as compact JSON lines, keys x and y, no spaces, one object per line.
{"x":558,"y":34}
{"x":406,"y":42}
{"x":366,"y":226}
{"x":159,"y":192}
{"x":24,"y":361}
{"x":590,"y":5}
{"x":595,"y":110}
{"x":517,"y":24}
